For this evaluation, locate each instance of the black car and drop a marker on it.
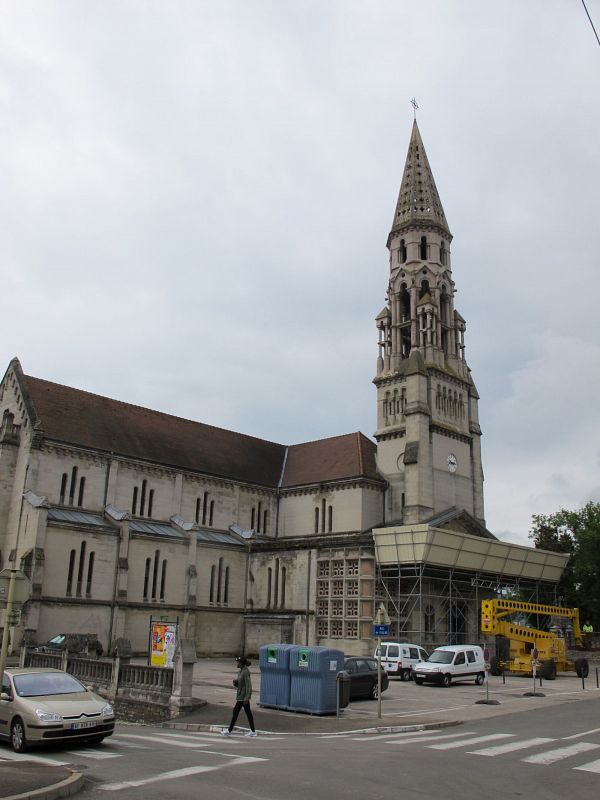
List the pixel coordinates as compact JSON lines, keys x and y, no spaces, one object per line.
{"x":363,"y":677}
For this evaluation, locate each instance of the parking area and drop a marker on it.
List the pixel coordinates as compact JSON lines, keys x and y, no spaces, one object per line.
{"x":406,"y":703}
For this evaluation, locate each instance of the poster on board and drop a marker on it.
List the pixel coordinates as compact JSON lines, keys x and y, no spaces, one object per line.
{"x":164,"y":641}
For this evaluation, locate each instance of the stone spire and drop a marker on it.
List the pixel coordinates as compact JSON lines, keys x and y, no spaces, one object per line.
{"x":418,"y":201}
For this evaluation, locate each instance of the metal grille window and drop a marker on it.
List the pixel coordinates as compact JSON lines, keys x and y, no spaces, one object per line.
{"x":336,"y":628}
{"x":323,"y":569}
{"x":352,"y":566}
{"x":323,"y":589}
{"x":352,"y":608}
{"x":352,"y":588}
{"x":322,"y":608}
{"x":351,"y":627}
{"x":338,"y":568}
{"x":337,"y":608}
{"x":322,"y":628}
{"x":337,"y":588}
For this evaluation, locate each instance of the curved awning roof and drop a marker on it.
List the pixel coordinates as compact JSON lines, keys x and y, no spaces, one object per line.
{"x":409,"y":544}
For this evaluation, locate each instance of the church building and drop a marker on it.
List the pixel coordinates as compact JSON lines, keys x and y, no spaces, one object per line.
{"x":121,"y":515}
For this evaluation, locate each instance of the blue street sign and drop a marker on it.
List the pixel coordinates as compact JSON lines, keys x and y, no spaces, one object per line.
{"x":381,"y":630}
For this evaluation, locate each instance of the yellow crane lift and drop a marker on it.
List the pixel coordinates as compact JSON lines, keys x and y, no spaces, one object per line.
{"x":551,"y":648}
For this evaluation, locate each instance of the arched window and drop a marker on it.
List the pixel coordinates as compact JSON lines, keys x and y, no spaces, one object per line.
{"x":317,"y":519}
{"x":198,"y":509}
{"x":219,"y":579}
{"x":73,"y":485}
{"x":150,"y":502}
{"x":71,"y":570}
{"x":163,"y":579}
{"x":134,"y":501}
{"x":252,"y":517}
{"x":443,"y":254}
{"x":155,"y":573}
{"x":323,"y":509}
{"x":143,"y":502}
{"x":283,"y":571}
{"x":204,"y":508}
{"x":423,"y":248}
{"x":212,"y":513}
{"x":226,"y":587}
{"x":258,"y":517}
{"x":211,"y":597}
{"x":404,"y":298}
{"x":402,"y":252}
{"x":269,"y":582}
{"x":265,"y":521}
{"x":146,"y":578}
{"x":330,"y":519}
{"x":81,"y":491}
{"x":424,"y":289}
{"x":80,"y":569}
{"x":90,"y":575}
{"x":63,"y":488}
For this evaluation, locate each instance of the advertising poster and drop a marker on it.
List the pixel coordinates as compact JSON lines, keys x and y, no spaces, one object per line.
{"x":164,"y":641}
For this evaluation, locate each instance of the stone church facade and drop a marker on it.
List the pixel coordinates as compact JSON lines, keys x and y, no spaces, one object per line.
{"x":120,"y":514}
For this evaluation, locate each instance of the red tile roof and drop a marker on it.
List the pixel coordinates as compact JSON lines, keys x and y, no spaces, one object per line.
{"x":79,"y":418}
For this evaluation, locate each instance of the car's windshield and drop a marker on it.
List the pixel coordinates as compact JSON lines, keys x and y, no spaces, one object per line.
{"x":38,"y":684}
{"x":441,"y":657}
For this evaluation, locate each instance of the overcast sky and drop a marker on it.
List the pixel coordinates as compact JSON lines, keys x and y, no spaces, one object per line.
{"x":195,"y":199}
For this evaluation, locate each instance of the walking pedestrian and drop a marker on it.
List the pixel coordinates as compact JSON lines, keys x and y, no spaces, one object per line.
{"x":243,"y":684}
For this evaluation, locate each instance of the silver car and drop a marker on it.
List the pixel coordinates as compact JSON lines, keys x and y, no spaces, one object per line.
{"x":40,"y":706}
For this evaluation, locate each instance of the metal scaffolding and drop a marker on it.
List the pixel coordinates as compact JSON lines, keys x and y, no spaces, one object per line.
{"x":435,"y":605}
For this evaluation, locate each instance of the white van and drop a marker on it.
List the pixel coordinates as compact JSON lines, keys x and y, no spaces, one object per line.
{"x":399,"y":658}
{"x":452,"y":663}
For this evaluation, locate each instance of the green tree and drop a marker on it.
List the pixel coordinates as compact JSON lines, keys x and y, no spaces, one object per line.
{"x":578,"y":534}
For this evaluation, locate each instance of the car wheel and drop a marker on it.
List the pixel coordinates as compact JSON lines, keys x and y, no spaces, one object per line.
{"x":446,"y":680}
{"x":18,"y":739}
{"x":419,"y":681}
{"x":374,"y":694}
{"x":405,"y":676}
{"x":480,"y":678}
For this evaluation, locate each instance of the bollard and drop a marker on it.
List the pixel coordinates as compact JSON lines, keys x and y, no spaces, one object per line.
{"x":503,"y":676}
{"x":597,"y":684}
{"x":582,"y":682}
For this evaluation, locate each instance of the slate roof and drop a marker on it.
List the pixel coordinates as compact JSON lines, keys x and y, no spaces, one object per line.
{"x":72,"y":416}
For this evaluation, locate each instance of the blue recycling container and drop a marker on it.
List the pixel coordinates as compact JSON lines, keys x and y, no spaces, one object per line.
{"x":313,"y":686}
{"x":274,"y":663}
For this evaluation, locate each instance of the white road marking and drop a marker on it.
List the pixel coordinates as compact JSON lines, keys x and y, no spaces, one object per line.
{"x":176,"y":773}
{"x":162,"y":740}
{"x":475,"y":740}
{"x":592,"y":766}
{"x":98,"y":755}
{"x":115,"y":742}
{"x":9,"y":756}
{"x":432,"y":738}
{"x":500,"y":749}
{"x":550,"y":756}
{"x":579,"y":735}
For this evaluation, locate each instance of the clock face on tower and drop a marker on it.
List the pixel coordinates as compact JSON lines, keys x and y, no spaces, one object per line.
{"x":452,"y":463}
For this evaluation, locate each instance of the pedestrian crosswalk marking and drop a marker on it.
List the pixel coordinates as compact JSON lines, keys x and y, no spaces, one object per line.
{"x":162,"y":740}
{"x":97,"y":755}
{"x":451,"y":745}
{"x":592,"y":766}
{"x":10,"y":756}
{"x":177,"y":773}
{"x":431,"y":738}
{"x":550,"y":756}
{"x":500,"y":749}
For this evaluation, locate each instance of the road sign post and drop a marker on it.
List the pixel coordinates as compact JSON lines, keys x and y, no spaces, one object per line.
{"x":381,"y":627}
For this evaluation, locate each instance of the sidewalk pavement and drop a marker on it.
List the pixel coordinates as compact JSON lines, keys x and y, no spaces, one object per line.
{"x":27,"y":780}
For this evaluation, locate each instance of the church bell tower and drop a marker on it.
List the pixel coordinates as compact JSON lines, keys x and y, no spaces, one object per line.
{"x":428,"y":434}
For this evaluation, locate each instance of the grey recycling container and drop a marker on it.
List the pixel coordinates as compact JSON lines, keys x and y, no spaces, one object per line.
{"x":274,"y":663}
{"x":313,"y":686}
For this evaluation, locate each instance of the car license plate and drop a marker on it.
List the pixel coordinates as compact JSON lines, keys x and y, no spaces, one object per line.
{"x":77,"y":725}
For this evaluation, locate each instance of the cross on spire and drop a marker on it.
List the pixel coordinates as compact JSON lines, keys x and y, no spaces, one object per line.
{"x":415,"y":105}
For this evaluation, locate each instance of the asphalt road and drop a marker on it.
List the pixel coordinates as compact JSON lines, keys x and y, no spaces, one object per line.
{"x":548,"y":753}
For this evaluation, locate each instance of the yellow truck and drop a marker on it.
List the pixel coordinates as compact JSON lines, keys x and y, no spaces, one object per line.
{"x":496,"y":616}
